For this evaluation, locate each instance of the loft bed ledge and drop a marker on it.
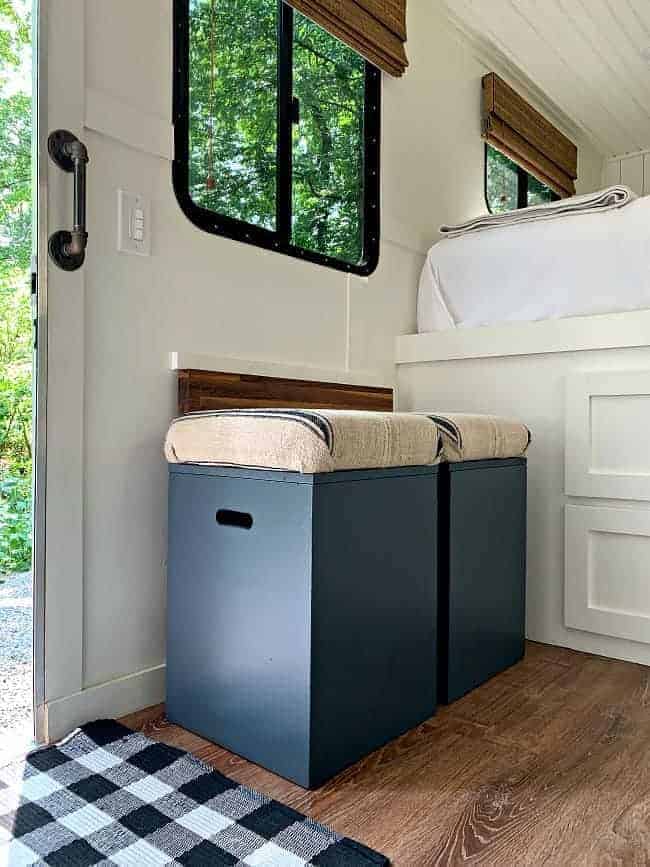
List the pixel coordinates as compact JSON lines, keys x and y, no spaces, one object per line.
{"x":572,"y":334}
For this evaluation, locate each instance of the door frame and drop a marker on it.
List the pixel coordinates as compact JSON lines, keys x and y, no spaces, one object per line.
{"x":39,"y":374}
{"x":59,"y":397}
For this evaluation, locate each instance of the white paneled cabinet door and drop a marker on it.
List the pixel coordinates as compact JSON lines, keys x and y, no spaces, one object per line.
{"x":607,"y":590}
{"x":60,"y":399}
{"x":607,"y":546}
{"x":607,"y":448}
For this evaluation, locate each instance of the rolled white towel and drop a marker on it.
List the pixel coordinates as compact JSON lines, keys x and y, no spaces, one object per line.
{"x":589,"y":203}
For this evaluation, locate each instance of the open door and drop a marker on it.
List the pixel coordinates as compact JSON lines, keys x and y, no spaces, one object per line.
{"x":16,"y":377}
{"x":59,"y":308}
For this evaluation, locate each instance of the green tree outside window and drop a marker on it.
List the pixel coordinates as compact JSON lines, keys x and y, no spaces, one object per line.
{"x":233,"y":125}
{"x":15,"y":314}
{"x":509,"y":187}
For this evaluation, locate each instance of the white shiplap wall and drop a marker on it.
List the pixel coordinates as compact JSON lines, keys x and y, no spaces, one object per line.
{"x":633,"y":170}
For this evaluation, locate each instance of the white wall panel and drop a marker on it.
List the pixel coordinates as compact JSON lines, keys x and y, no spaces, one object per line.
{"x":612,"y":174}
{"x":607,"y":448}
{"x":607,"y":586}
{"x":632,"y":173}
{"x":633,"y":170}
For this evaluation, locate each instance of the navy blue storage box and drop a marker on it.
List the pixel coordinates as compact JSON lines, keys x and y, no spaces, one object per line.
{"x":482,"y":572}
{"x":302,"y":611}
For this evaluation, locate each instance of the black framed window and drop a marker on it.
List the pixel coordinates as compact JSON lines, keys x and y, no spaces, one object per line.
{"x":276,"y":127}
{"x":508,"y":186}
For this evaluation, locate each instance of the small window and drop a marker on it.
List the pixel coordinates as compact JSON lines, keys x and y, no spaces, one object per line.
{"x":276,"y":132}
{"x":508,"y":186}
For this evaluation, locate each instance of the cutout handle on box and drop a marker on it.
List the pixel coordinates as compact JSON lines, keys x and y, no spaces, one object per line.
{"x":231,"y":518}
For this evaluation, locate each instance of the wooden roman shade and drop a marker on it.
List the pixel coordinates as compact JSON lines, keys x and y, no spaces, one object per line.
{"x":514,"y":127}
{"x":376,"y":29}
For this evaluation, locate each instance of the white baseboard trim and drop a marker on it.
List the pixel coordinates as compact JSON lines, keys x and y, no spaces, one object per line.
{"x":106,"y":700}
{"x":596,"y":645}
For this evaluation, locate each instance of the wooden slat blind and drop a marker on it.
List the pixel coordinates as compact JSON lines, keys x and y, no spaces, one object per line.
{"x":514,"y":127}
{"x":376,"y":29}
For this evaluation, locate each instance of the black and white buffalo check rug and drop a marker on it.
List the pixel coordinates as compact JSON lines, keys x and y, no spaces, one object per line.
{"x":107,"y":795}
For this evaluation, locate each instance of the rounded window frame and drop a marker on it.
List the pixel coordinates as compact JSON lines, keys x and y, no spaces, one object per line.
{"x":248,"y":233}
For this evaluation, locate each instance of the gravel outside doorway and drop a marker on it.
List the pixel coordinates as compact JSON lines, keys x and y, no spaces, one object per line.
{"x":15,"y":655}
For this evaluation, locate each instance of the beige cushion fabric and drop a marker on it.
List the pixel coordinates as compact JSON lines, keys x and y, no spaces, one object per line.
{"x":305,"y":441}
{"x":467,"y":437}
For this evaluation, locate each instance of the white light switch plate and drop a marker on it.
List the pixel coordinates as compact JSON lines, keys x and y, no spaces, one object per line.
{"x":133,"y":223}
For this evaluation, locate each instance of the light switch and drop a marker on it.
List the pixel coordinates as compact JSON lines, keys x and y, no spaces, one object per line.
{"x":134,"y":224}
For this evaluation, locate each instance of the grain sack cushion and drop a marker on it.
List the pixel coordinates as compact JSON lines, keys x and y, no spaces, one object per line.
{"x":305,"y":441}
{"x":467,"y":437}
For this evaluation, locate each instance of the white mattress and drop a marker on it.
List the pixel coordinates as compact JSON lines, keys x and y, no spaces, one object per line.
{"x":571,"y":266}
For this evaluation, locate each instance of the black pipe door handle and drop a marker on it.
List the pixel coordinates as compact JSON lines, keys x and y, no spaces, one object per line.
{"x":68,"y":248}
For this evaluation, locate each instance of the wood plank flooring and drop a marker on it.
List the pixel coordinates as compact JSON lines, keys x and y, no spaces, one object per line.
{"x":548,"y":763}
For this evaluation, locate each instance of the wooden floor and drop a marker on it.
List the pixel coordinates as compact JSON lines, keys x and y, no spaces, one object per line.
{"x":548,"y":763}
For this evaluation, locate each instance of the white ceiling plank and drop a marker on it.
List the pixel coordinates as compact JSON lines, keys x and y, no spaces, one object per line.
{"x":523,"y":46}
{"x":642,"y":12}
{"x":591,"y":58}
{"x":613,"y":49}
{"x":627,"y":18}
{"x":492,"y":51}
{"x":619,"y":27}
{"x":576,"y":59}
{"x":527,"y":51}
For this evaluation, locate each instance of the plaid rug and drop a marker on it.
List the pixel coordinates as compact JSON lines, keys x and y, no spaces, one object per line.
{"x":107,"y":795}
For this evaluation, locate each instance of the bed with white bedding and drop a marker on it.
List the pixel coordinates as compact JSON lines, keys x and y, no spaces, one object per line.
{"x":580,"y":380}
{"x":576,"y":265}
